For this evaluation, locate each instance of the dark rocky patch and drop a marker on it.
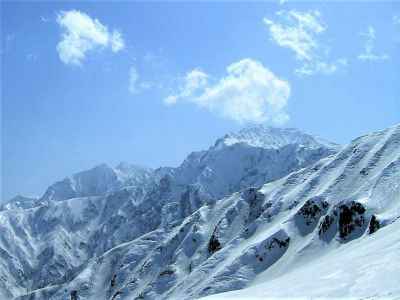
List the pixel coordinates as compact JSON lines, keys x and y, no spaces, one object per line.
{"x":351,"y":216}
{"x":348,"y":219}
{"x":166,"y":272}
{"x":113,"y":280}
{"x":74,"y":295}
{"x":116,"y":295}
{"x":213,"y":245}
{"x":374,"y":225}
{"x":325,"y":224}
{"x":280,"y":243}
{"x":309,"y":214}
{"x":309,"y":210}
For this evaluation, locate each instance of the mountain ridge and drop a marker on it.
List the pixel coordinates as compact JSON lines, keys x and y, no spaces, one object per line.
{"x":111,"y":178}
{"x":176,"y":240}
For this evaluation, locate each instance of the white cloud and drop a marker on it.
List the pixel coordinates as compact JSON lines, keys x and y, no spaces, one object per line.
{"x":249,"y":92}
{"x":194,"y":81}
{"x":82,"y":34}
{"x":369,"y":47}
{"x":133,"y":80}
{"x":135,"y":84}
{"x":299,"y":32}
{"x":116,"y":41}
{"x":322,"y":67}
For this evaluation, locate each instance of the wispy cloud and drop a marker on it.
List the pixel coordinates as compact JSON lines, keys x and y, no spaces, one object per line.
{"x":396,"y":20}
{"x":194,"y":81}
{"x":135,"y":84}
{"x":133,"y":80}
{"x":299,"y":32}
{"x":249,"y":92}
{"x":317,"y":66}
{"x":369,"y":47}
{"x":44,"y":19}
{"x":82,"y":34}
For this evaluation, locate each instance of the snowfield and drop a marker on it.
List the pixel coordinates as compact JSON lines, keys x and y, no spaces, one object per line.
{"x":366,"y":268}
{"x":263,"y":213}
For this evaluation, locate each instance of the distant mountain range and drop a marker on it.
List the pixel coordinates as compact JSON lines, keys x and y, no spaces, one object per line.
{"x":270,"y":212}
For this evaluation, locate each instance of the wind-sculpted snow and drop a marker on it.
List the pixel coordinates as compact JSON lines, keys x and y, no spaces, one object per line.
{"x":207,"y":226}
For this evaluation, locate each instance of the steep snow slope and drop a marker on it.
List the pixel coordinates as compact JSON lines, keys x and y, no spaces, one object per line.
{"x":176,"y":241}
{"x":91,"y":212}
{"x":250,"y":157}
{"x":324,"y":258}
{"x":366,"y":268}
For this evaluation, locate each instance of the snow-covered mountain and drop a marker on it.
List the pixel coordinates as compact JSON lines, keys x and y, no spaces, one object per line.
{"x":257,"y":207}
{"x":251,"y":157}
{"x":19,"y":202}
{"x":98,"y":181}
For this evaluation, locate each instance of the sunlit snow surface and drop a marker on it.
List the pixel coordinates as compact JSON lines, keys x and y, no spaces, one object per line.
{"x":202,"y":229}
{"x":366,"y":268}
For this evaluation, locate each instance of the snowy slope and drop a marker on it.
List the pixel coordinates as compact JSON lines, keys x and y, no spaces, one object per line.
{"x":176,"y":238}
{"x":251,"y":157}
{"x":366,"y":268}
{"x":321,"y":262}
{"x":19,"y":202}
{"x":89,"y":213}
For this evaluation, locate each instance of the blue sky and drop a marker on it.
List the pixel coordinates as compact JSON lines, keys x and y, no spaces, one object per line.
{"x":147,"y":83}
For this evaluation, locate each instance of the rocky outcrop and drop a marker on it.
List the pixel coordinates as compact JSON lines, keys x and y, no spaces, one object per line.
{"x":309,"y":214}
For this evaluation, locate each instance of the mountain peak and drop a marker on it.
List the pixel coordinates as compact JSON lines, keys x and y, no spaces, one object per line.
{"x":274,"y":137}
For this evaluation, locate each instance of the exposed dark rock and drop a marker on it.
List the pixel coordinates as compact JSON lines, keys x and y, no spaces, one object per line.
{"x":213,"y":245}
{"x":309,"y":214}
{"x":74,"y":295}
{"x":374,"y":225}
{"x":309,"y":210}
{"x":116,"y":294}
{"x":350,"y":217}
{"x":324,"y":204}
{"x":190,"y":267}
{"x":114,"y":280}
{"x":166,"y":272}
{"x":325,"y":224}
{"x":281,"y":243}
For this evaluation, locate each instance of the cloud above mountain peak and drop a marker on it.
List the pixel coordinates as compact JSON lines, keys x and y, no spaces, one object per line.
{"x":248,"y":93}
